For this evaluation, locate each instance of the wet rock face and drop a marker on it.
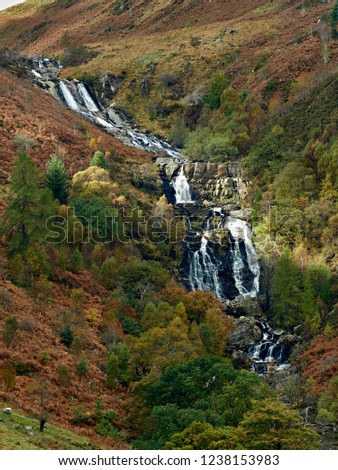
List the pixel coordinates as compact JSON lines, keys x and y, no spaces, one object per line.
{"x":245,"y":334}
{"x":211,"y":182}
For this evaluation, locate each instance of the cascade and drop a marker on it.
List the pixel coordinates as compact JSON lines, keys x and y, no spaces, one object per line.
{"x":69,"y":98}
{"x":234,"y":274}
{"x":182,"y":188}
{"x":87,"y":99}
{"x":240,"y":232}
{"x":206,"y":269}
{"x":203,"y":270}
{"x":269,"y":353}
{"x":77,"y":97}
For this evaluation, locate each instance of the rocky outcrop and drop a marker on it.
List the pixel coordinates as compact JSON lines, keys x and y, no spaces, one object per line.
{"x":245,"y":334}
{"x":211,"y":183}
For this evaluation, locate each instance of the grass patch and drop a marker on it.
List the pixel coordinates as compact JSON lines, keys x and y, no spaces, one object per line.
{"x":148,"y":59}
{"x":18,"y":432}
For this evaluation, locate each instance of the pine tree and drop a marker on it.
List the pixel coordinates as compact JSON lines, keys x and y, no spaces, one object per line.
{"x":286,"y":295}
{"x":99,"y":160}
{"x":57,"y":179}
{"x":29,"y":205}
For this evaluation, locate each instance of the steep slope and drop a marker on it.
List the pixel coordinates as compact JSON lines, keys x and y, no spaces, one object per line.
{"x":270,"y":48}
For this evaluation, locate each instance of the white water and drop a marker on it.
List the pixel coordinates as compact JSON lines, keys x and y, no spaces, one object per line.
{"x":182,"y":188}
{"x":203,"y":271}
{"x":78,"y":98}
{"x":268,"y":352}
{"x":240,"y":231}
{"x":70,"y":100}
{"x":87,"y":99}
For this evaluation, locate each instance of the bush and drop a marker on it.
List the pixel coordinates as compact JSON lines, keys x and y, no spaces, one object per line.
{"x":10,"y":330}
{"x":82,"y":367}
{"x":75,"y":56}
{"x":64,"y":375}
{"x":67,"y":336}
{"x":167,"y":79}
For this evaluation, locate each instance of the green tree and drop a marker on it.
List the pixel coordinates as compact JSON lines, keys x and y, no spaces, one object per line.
{"x":309,"y":306}
{"x":285,"y":292}
{"x":82,"y":367}
{"x":215,"y":90}
{"x":99,"y":160}
{"x":238,"y":396}
{"x":203,"y":436}
{"x":66,"y":336}
{"x":29,"y":205}
{"x":272,"y":425}
{"x":163,"y":422}
{"x":149,"y":317}
{"x":112,"y":370}
{"x":57,"y":179}
{"x":76,"y":261}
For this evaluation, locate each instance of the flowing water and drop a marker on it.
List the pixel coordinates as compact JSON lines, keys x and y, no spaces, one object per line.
{"x":78,"y":97}
{"x":269,"y":353}
{"x":68,"y":97}
{"x":234,"y":275}
{"x":240,"y":232}
{"x":182,"y":188}
{"x":203,"y":270}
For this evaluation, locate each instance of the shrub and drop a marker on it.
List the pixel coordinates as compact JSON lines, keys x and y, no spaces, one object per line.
{"x":10,"y":330}
{"x":45,"y":357}
{"x":75,"y":56}
{"x":67,"y":336}
{"x":77,"y":299}
{"x":167,"y":79}
{"x":64,"y":375}
{"x":82,"y":367}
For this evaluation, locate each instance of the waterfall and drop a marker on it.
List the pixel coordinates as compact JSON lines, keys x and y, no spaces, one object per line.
{"x":203,"y":270}
{"x":268,"y":353}
{"x":182,"y":188}
{"x":78,"y":98}
{"x":240,"y":232}
{"x":69,"y":98}
{"x":87,"y":99}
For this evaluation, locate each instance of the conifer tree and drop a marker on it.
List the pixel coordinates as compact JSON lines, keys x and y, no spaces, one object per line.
{"x":286,"y":294}
{"x":57,"y":179}
{"x":99,"y":160}
{"x":29,"y":205}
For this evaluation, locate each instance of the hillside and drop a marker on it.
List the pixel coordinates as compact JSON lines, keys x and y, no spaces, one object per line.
{"x":273,"y":49}
{"x":150,"y":300}
{"x":22,"y":433}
